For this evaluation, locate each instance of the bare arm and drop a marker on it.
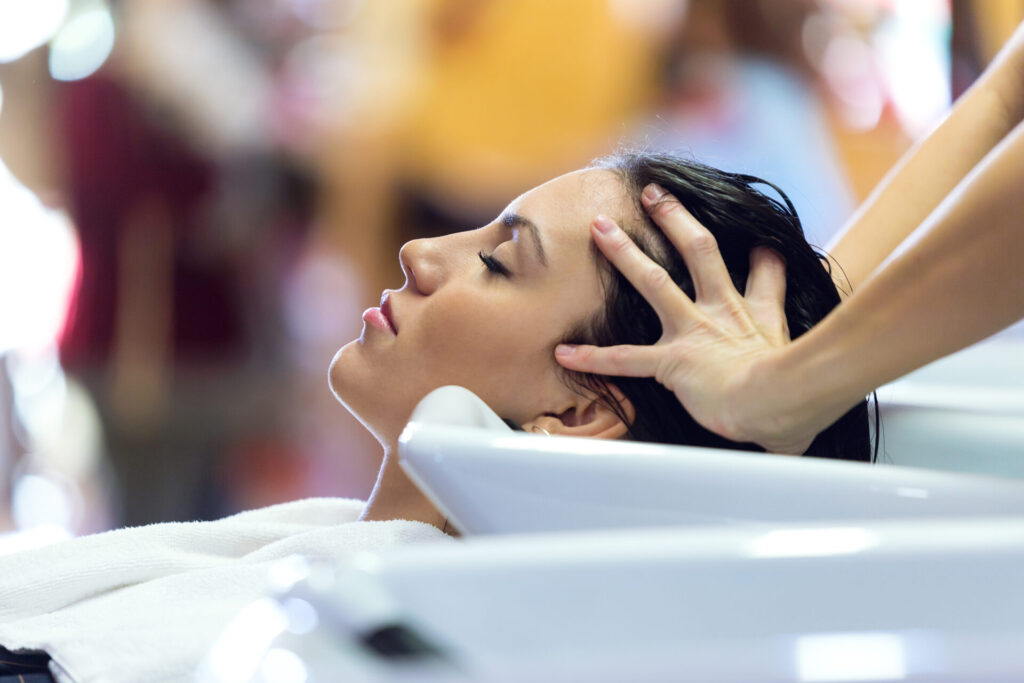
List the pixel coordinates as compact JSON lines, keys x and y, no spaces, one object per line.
{"x":955,"y":281}
{"x":934,"y":166}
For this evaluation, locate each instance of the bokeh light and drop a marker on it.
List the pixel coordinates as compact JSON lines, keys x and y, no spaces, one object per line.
{"x":27,"y":24}
{"x":42,"y":502}
{"x":38,"y":260}
{"x":83,"y":44}
{"x":915,"y":63}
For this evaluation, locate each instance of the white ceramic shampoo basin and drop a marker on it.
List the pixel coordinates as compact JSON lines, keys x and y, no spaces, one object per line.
{"x":907,"y":600}
{"x":488,"y":479}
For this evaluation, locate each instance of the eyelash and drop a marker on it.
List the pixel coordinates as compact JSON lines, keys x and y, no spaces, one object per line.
{"x":494,"y":265}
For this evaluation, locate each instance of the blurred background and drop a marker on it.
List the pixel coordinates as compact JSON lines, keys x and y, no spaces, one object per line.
{"x":199,"y":197}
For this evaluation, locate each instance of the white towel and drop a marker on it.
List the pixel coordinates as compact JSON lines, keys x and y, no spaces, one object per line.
{"x":146,"y":603}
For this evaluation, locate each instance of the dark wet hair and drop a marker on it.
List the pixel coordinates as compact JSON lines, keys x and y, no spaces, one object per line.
{"x":741,"y":218}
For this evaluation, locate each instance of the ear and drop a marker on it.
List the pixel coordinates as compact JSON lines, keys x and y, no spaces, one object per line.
{"x":587,"y":417}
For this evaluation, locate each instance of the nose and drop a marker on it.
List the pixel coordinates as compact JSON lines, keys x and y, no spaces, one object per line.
{"x":422,"y":263}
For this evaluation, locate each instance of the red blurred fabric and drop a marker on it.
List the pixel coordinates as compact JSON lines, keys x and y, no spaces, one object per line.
{"x":118,"y":157}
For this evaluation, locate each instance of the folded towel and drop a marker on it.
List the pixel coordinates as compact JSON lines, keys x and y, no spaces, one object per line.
{"x":146,"y":603}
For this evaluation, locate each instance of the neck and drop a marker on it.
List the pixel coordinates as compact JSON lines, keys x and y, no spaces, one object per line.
{"x":394,"y":496}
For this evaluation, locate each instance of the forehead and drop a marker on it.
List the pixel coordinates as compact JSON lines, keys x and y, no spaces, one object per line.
{"x":564,"y":207}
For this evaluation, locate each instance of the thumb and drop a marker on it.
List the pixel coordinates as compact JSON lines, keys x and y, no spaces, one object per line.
{"x":619,"y":361}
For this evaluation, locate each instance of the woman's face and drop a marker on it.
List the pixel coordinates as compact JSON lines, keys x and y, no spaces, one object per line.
{"x":488,"y":324}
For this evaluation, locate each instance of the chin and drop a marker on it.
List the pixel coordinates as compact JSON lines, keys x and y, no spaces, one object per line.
{"x":343,"y":381}
{"x":358,"y":389}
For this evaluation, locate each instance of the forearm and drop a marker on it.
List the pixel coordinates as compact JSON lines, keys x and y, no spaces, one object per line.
{"x":934,"y":166}
{"x":957,"y":280}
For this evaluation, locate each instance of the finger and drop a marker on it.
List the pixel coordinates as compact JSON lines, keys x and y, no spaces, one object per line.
{"x":767,"y":278}
{"x":711,"y":279}
{"x":765,"y":293}
{"x":619,"y":361}
{"x":650,"y":279}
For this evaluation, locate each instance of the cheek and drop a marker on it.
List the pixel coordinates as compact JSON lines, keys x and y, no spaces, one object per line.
{"x":494,"y":347}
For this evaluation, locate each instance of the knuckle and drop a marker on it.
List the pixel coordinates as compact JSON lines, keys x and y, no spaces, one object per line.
{"x":657,"y":278}
{"x":618,"y":248}
{"x":622,"y":244}
{"x":776,"y":265}
{"x":735,"y":312}
{"x":703,"y":243}
{"x":666,"y":369}
{"x":663,"y":207}
{"x":767,"y":270}
{"x":618,"y":357}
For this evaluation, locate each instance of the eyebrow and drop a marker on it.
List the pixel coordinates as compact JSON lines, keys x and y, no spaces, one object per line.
{"x":514,"y":220}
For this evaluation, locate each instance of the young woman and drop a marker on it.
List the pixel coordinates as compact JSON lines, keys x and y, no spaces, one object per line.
{"x":486,"y":308}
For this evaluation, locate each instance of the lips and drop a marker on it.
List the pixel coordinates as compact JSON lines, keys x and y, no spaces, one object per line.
{"x":385,"y":308}
{"x":381,"y":317}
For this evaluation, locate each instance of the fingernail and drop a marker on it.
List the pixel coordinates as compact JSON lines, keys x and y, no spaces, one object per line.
{"x":565,"y":350}
{"x":604,"y":224}
{"x":653,"y":192}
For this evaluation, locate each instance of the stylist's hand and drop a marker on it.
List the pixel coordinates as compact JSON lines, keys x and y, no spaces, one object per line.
{"x":714,"y":352}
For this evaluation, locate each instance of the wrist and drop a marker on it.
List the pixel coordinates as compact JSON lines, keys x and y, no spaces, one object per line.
{"x":804,"y":382}
{"x":768,"y":405}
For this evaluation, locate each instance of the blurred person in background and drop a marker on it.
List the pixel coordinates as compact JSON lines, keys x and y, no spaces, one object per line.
{"x":185,"y":232}
{"x":740,"y":93}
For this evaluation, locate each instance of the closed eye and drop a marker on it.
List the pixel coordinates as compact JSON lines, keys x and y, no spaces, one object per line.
{"x":494,"y":265}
